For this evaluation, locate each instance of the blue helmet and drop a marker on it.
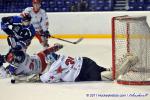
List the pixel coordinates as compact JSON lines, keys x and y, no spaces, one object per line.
{"x":26,"y":17}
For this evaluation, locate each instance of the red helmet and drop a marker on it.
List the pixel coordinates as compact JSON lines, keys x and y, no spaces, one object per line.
{"x":36,"y":1}
{"x":15,"y":57}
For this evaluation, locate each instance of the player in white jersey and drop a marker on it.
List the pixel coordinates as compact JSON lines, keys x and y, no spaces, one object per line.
{"x":39,"y":21}
{"x":53,"y":67}
{"x":25,"y":65}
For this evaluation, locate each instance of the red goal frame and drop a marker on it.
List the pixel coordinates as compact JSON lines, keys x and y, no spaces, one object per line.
{"x":128,"y":49}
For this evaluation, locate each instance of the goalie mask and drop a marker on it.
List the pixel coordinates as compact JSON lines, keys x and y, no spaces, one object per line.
{"x":15,"y":57}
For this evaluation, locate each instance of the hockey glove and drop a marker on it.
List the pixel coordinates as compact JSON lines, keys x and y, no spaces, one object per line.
{"x":46,"y":34}
{"x":58,"y":46}
{"x":11,"y":69}
{"x":17,"y":47}
{"x":7,"y":20}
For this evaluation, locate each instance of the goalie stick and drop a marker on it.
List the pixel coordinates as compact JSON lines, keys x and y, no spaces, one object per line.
{"x":23,"y":78}
{"x":75,"y":42}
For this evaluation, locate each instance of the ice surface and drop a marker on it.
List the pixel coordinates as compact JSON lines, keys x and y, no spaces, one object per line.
{"x":97,"y":49}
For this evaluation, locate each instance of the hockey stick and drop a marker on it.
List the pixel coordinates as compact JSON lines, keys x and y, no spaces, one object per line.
{"x":23,"y":78}
{"x":75,"y":42}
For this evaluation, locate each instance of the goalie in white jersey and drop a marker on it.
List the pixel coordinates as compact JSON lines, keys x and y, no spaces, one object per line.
{"x":53,"y":67}
{"x":39,"y":21}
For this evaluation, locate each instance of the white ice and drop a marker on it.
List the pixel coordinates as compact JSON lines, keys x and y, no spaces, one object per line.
{"x":97,"y":49}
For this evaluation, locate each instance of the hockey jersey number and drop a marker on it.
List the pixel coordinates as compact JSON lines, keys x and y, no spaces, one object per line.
{"x":65,"y":68}
{"x":69,"y":60}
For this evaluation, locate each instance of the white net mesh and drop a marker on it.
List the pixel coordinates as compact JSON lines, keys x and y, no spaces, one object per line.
{"x":132,"y":35}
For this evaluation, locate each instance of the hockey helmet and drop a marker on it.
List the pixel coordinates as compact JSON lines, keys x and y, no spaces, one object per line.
{"x":36,"y":1}
{"x":25,"y":16}
{"x":15,"y":57}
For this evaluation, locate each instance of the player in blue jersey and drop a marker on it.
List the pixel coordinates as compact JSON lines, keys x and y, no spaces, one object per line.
{"x":19,"y":30}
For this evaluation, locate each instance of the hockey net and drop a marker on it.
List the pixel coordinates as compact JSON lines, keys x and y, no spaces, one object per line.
{"x":131,"y":50}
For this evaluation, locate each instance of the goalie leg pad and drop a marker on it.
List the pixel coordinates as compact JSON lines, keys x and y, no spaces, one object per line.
{"x":106,"y":75}
{"x":129,"y":62}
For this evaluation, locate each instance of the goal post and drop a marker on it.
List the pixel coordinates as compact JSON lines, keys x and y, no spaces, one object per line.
{"x":131,"y":50}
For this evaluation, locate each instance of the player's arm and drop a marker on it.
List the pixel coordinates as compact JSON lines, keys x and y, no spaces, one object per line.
{"x":32,"y":31}
{"x":28,"y":35}
{"x":54,"y":48}
{"x":27,"y":10}
{"x":19,"y":45}
{"x":16,"y":45}
{"x":48,"y":53}
{"x":10,"y":20}
{"x":6,"y":21}
{"x":45,"y":24}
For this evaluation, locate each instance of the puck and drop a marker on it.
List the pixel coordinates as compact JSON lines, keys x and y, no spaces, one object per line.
{"x":12,"y":81}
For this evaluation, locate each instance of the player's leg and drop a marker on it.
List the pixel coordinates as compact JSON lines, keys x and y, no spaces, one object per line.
{"x":90,"y":71}
{"x":43,"y":40}
{"x":11,"y":42}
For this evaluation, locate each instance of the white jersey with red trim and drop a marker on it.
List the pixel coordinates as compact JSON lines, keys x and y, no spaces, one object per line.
{"x":31,"y":65}
{"x":39,"y":19}
{"x":65,"y":69}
